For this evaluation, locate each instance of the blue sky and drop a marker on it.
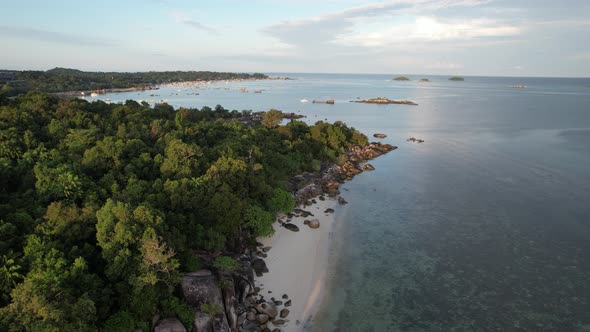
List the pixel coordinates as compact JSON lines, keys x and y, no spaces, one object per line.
{"x":467,"y":37}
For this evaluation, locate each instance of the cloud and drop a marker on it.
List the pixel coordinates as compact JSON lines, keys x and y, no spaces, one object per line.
{"x":183,"y":19}
{"x":328,"y":26}
{"x":428,"y":29}
{"x":199,"y":26}
{"x":53,"y":36}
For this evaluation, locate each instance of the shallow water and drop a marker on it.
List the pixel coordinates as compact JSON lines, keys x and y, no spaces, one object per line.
{"x":484,"y":227}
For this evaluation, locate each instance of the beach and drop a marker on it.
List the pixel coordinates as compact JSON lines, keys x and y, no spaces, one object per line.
{"x":297,"y":264}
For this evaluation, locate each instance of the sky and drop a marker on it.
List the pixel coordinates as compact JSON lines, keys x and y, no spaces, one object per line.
{"x":445,"y":37}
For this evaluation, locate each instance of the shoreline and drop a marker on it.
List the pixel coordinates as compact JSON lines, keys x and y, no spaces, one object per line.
{"x":149,"y":87}
{"x":297,"y":264}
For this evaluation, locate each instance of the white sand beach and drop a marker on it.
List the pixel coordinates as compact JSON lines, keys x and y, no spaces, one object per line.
{"x":297,"y":263}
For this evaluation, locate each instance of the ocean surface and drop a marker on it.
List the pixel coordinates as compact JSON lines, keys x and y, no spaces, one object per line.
{"x":483,"y":227}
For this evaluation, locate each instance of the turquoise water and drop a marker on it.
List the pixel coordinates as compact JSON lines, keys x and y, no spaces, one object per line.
{"x":484,"y":227}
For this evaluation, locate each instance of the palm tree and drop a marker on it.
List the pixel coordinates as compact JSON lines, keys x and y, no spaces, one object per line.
{"x":9,"y":274}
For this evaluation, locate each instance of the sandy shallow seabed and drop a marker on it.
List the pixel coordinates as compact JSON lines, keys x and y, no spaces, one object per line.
{"x":298,"y":263}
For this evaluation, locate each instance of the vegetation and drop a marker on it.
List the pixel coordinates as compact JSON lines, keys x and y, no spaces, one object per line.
{"x":401,"y":78}
{"x":63,"y":79}
{"x":272,"y":118}
{"x":456,"y":78}
{"x":102,"y":206}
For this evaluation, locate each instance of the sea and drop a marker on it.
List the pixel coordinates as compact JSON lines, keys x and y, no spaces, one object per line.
{"x":485,"y":226}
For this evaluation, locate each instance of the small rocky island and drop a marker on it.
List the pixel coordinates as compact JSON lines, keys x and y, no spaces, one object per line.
{"x":424,"y":80}
{"x":401,"y":78}
{"x":384,"y":101}
{"x":415,"y":140}
{"x":456,"y":78}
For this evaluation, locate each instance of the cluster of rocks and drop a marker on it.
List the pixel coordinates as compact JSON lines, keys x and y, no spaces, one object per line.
{"x":307,"y":186}
{"x":415,"y":140}
{"x":229,"y":302}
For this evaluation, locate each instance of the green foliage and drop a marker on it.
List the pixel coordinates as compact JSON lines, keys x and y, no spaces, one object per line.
{"x":10,"y":274}
{"x":103,"y":206}
{"x":122,"y":321}
{"x":225,"y":264}
{"x":282,"y":201}
{"x":272,"y":118}
{"x":190,"y":263}
{"x":259,"y":221}
{"x":175,"y":307}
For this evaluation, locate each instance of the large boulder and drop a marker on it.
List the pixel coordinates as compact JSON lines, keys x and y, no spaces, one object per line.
{"x":203,"y":322}
{"x":314,"y":223}
{"x":291,"y":227}
{"x":259,"y":267}
{"x":170,"y":325}
{"x":201,"y":287}
{"x":268,"y":309}
{"x":284,"y":313}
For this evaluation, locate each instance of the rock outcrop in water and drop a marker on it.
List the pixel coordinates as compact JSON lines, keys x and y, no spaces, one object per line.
{"x":384,"y":101}
{"x":309,"y":185}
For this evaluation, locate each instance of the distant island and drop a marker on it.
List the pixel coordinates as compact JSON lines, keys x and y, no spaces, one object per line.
{"x":424,"y":80}
{"x":64,"y":80}
{"x":456,"y":78}
{"x":401,"y":78}
{"x":384,"y":101}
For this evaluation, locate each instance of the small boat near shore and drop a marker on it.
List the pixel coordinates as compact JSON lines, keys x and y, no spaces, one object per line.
{"x":304,"y":100}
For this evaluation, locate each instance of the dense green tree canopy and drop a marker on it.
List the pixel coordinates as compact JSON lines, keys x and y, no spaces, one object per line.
{"x":102,"y":206}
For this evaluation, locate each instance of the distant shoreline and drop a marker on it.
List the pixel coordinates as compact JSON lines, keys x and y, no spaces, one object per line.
{"x":157,"y":86}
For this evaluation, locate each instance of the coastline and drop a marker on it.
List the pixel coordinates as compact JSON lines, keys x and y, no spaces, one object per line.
{"x":297,"y":264}
{"x":148,"y":87}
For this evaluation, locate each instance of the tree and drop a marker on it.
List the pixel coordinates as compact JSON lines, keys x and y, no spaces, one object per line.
{"x":181,"y":159}
{"x":259,"y":221}
{"x":56,"y":295}
{"x":272,"y":118}
{"x":10,"y":274}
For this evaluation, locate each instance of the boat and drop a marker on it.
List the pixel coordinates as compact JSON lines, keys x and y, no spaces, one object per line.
{"x":94,"y":94}
{"x":257,"y":91}
{"x":518,"y":86}
{"x":304,"y":100}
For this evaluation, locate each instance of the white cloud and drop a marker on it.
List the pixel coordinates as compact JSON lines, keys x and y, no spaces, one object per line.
{"x":311,"y":32}
{"x":428,"y":29}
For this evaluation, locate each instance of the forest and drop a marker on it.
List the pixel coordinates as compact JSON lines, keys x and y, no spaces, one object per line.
{"x":63,"y":79}
{"x":103,"y":207}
